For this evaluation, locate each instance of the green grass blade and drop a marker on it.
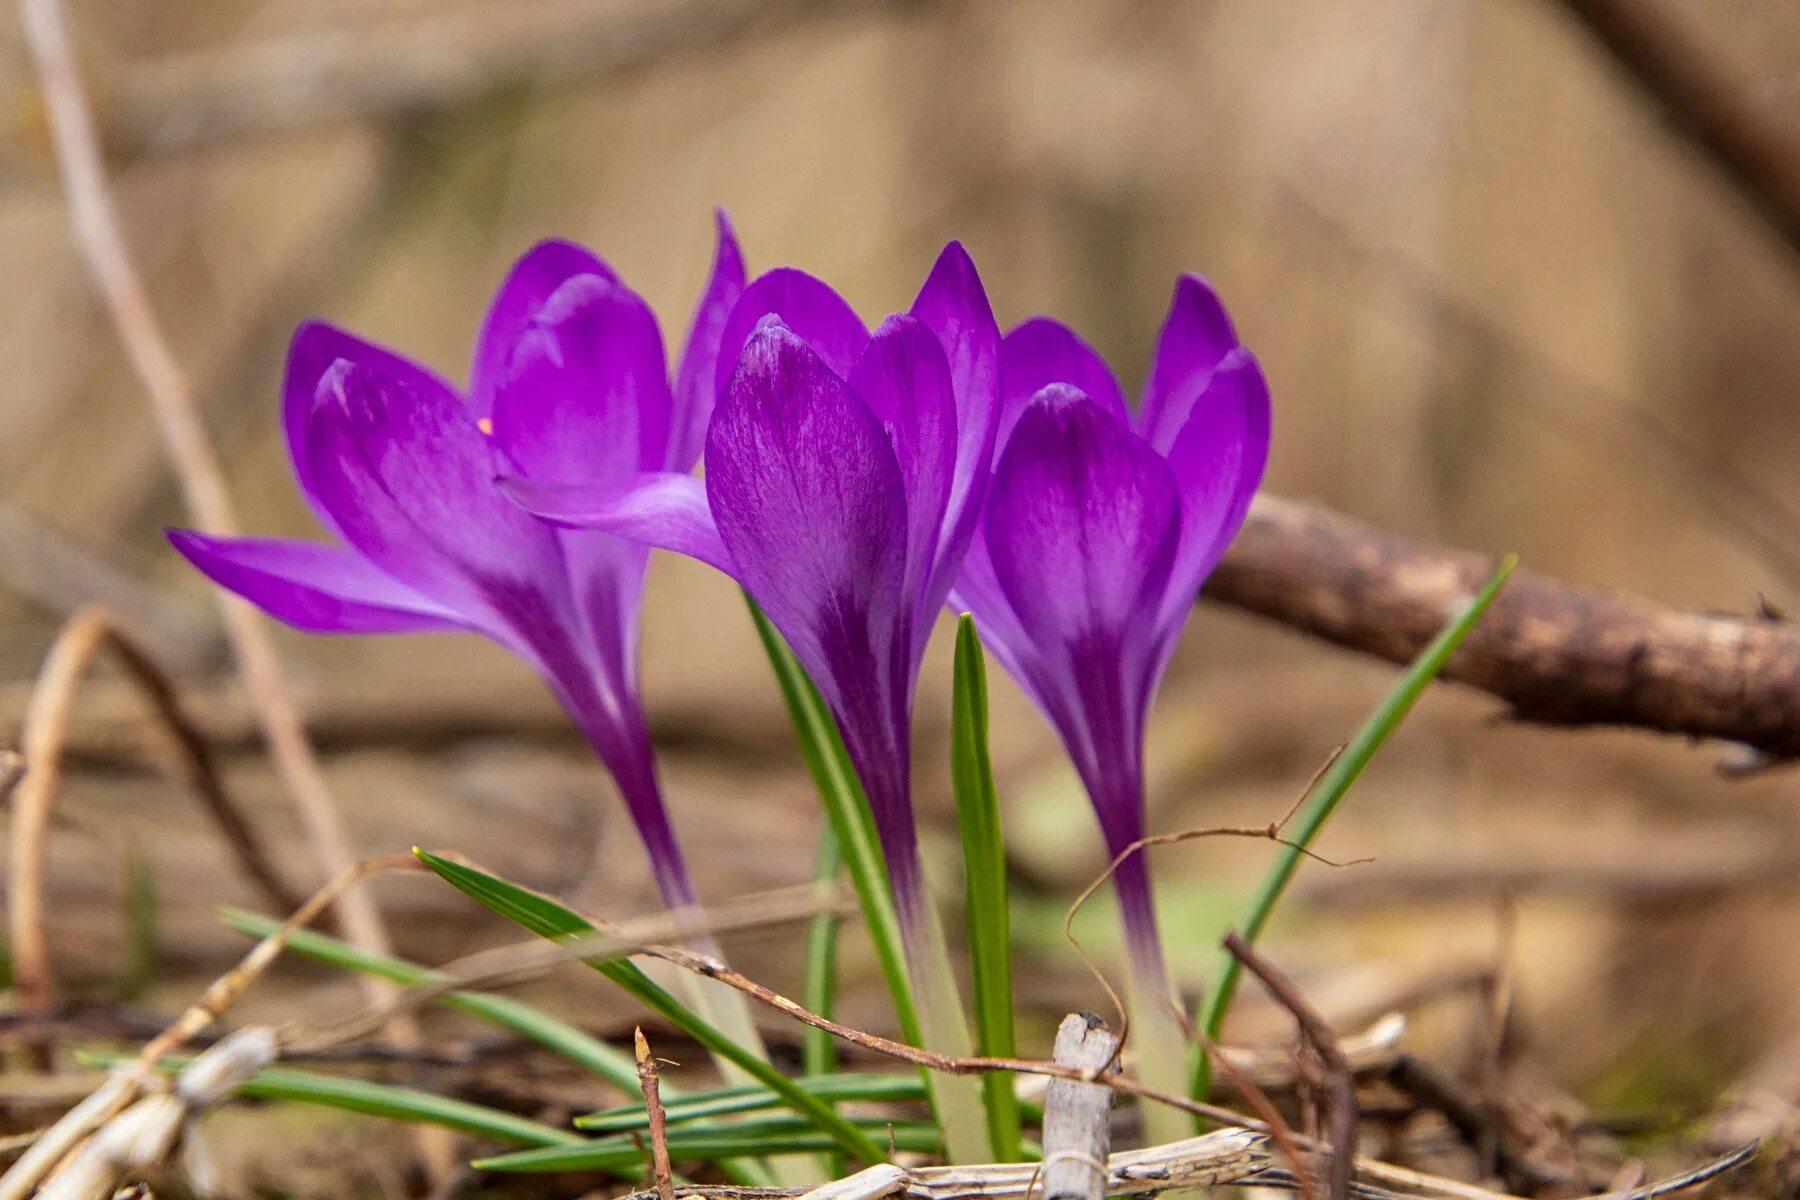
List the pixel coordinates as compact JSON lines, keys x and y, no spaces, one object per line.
{"x":848,"y":810}
{"x":584,"y":1050}
{"x":547,"y":918}
{"x":1324,"y":798}
{"x":791,"y":1137}
{"x":884,"y":1088}
{"x":984,"y":881}
{"x":818,"y":1049}
{"x":380,"y":1100}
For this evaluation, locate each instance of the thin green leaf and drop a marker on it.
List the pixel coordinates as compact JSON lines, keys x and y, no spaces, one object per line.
{"x":984,"y":881}
{"x":818,"y":1049}
{"x":379,"y":1100}
{"x":727,"y":1101}
{"x":547,"y":918}
{"x":759,"y":1138}
{"x":1325,"y":795}
{"x":584,"y":1050}
{"x":851,"y":822}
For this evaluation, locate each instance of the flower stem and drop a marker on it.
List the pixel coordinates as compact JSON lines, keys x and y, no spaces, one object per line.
{"x":1158,"y":1044}
{"x":944,"y":1028}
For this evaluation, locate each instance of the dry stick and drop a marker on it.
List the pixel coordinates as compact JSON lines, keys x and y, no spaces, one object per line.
{"x":1556,"y":653}
{"x":123,"y":1086}
{"x":659,"y":1120}
{"x":102,"y":242}
{"x":46,"y":724}
{"x":1279,"y":1132}
{"x":1753,"y":142}
{"x":1077,"y":1133}
{"x":1317,"y":1034}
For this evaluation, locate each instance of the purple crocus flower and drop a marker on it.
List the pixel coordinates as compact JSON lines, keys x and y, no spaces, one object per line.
{"x":844,"y":473}
{"x":1099,"y":527}
{"x":568,"y":381}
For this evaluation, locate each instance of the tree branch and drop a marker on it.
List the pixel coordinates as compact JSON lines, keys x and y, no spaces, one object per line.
{"x":1556,"y":653}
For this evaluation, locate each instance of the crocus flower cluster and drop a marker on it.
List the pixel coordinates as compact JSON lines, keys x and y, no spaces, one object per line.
{"x":854,"y":481}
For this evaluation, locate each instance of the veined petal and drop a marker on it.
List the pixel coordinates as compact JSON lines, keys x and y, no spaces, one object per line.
{"x":1196,"y":335}
{"x":408,"y":478}
{"x":664,"y":509}
{"x":809,"y":499}
{"x":1081,"y":521}
{"x":314,"y":353}
{"x":1041,"y":352}
{"x":313,"y":586}
{"x":904,"y":379}
{"x":1218,"y":460}
{"x":537,"y":275}
{"x":808,"y":306}
{"x":584,"y":396}
{"x":953,"y":304}
{"x":697,"y":383}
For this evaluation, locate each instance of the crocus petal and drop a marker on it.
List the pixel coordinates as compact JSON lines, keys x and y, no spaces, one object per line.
{"x":314,"y":353}
{"x":662,"y":509}
{"x":697,"y":382}
{"x":1196,"y":335}
{"x":585,"y":393}
{"x":809,"y":307}
{"x":953,"y":304}
{"x":1218,"y":460}
{"x":809,"y":500}
{"x":533,"y":280}
{"x":408,"y":477}
{"x":312,"y":586}
{"x":905,"y":380}
{"x":1041,"y":352}
{"x":1081,"y":521}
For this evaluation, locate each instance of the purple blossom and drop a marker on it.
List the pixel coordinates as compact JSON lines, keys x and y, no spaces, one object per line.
{"x":1100,"y":525}
{"x":844,"y":472}
{"x":568,"y":382}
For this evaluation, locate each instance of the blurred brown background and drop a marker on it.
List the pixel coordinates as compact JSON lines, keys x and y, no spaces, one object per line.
{"x":1500,"y":306}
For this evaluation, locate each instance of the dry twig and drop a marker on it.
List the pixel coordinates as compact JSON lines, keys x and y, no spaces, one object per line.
{"x":1317,"y":1035}
{"x":102,"y":242}
{"x":1077,"y":1134}
{"x":659,"y":1120}
{"x":123,"y":1087}
{"x":46,"y":723}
